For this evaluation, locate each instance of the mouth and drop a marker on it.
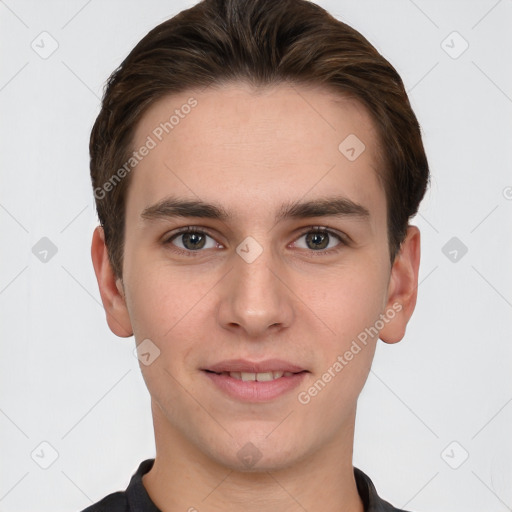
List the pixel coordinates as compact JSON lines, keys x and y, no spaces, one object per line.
{"x":259,"y":377}
{"x":248,"y":381}
{"x":264,"y":371}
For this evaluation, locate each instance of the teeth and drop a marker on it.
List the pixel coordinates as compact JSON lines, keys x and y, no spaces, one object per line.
{"x":260,"y":377}
{"x":264,"y":377}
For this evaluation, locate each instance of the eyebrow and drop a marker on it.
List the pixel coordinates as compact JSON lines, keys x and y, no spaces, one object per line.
{"x":172,"y":207}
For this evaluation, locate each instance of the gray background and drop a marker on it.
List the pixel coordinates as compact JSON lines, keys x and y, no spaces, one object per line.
{"x":443,"y":394}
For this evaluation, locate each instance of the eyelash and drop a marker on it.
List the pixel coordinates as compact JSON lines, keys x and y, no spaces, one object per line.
{"x":309,"y":229}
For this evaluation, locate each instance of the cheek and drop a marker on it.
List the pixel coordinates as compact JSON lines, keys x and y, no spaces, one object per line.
{"x":150,"y":307}
{"x":162,"y":307}
{"x":171,"y":307}
{"x":349,"y":303}
{"x":161,"y":296}
{"x":347,"y":300}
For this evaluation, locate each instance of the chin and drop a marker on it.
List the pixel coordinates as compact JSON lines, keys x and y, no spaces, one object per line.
{"x":273,"y":463}
{"x":257,"y":453}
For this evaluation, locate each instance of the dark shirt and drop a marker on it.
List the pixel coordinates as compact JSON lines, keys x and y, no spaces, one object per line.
{"x":136,"y":498}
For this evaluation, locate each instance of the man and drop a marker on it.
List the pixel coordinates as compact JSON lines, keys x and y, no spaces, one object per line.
{"x":255,"y":166}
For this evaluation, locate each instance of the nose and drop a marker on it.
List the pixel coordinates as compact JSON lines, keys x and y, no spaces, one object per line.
{"x":255,"y":301}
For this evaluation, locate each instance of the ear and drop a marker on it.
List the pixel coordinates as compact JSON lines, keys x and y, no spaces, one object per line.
{"x":111,"y":289}
{"x":403,"y":287}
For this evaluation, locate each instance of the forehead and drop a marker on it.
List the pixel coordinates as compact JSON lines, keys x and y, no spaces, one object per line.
{"x":238,"y":145}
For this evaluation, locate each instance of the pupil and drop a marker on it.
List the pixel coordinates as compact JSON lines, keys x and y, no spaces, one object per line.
{"x":194,"y":239}
{"x":317,"y":239}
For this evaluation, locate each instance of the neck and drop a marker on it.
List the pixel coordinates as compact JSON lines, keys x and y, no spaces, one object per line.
{"x":183,"y":478}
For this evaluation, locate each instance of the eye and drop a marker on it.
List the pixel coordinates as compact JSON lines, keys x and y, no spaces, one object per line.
{"x":318,"y":239}
{"x":191,"y":239}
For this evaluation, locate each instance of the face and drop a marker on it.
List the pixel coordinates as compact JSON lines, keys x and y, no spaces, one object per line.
{"x":283,"y":275}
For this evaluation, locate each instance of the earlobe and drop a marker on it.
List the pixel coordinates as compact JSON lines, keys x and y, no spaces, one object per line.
{"x":111,"y":289}
{"x":403,"y":287}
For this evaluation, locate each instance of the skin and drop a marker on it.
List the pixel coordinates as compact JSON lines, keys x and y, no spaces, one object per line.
{"x":250,"y":151}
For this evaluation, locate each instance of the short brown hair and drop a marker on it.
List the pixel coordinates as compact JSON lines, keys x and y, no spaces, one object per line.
{"x":263,"y":42}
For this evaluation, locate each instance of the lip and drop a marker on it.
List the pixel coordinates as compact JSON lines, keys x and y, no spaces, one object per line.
{"x":243,"y":365}
{"x":254,"y":391}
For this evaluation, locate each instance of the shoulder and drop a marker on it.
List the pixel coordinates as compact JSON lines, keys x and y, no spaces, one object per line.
{"x":135,"y":497}
{"x":371,"y":500}
{"x":115,"y":502}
